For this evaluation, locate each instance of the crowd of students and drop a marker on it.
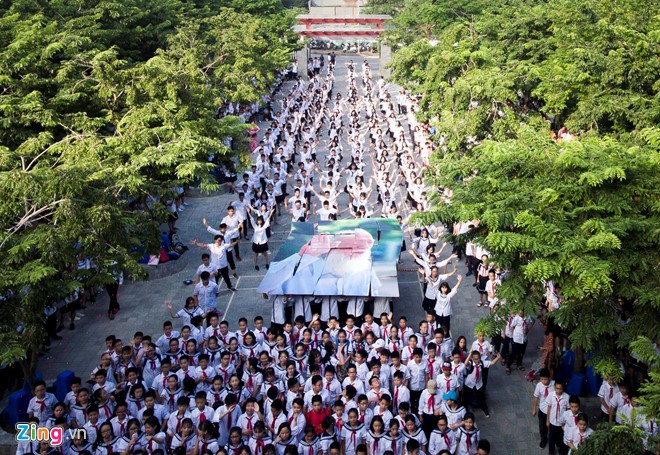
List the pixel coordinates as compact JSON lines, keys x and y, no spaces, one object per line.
{"x":331,"y":374}
{"x":308,"y":383}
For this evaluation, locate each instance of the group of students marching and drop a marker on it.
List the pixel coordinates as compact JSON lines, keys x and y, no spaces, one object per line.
{"x":362,"y":386}
{"x":337,"y":382}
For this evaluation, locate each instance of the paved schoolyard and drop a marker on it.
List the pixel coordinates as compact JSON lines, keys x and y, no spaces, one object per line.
{"x":511,"y":429}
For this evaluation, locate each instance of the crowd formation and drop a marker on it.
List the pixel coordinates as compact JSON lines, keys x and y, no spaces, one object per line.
{"x":329,"y":375}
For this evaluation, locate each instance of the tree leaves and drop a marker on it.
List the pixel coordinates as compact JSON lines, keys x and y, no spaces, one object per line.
{"x":105,"y":107}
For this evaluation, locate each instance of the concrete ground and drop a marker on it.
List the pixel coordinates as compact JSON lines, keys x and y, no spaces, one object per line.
{"x":510,"y":428}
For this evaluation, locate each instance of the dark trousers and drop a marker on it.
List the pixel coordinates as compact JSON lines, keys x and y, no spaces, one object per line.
{"x":112,"y":290}
{"x":238,"y":251}
{"x":473,"y":264}
{"x":497,"y":342}
{"x":230,"y":260}
{"x":443,"y":321}
{"x":517,"y":352}
{"x":506,"y":348}
{"x":429,"y":423}
{"x":543,"y":428}
{"x":458,"y":250}
{"x":414,"y":401}
{"x":224,"y":272}
{"x":479,"y":394}
{"x":555,"y":439}
{"x":245,"y":228}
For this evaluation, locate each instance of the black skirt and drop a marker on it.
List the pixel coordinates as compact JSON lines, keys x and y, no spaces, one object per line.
{"x":260,"y":248}
{"x":481,"y":284}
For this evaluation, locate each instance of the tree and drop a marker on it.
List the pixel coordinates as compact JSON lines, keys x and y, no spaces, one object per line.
{"x":105,"y":108}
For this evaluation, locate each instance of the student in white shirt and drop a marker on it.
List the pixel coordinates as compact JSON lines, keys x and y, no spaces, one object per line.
{"x":557,"y":402}
{"x":474,"y":379}
{"x":443,"y":303}
{"x":580,"y":432}
{"x":540,"y":406}
{"x":569,"y":419}
{"x":206,"y":293}
{"x":260,"y":237}
{"x":607,"y":394}
{"x":42,"y":403}
{"x":352,"y":433}
{"x":521,"y":326}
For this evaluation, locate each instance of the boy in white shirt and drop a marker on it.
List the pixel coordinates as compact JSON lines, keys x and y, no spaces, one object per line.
{"x":569,"y":419}
{"x":419,"y":375}
{"x":557,"y":402}
{"x":607,"y":394}
{"x":42,"y":403}
{"x":540,"y":406}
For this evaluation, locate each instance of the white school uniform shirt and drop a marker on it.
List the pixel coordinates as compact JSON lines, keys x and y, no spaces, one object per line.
{"x":417,"y":371}
{"x":325,"y":396}
{"x":442,"y":441}
{"x":458,"y":370}
{"x":226,"y":423}
{"x":396,"y":445}
{"x":259,"y":236}
{"x":406,"y":354}
{"x":608,"y":393}
{"x":352,"y":437}
{"x":568,"y":421}
{"x":375,"y":443}
{"x":373,"y":328}
{"x":542,"y":392}
{"x":466,"y":442}
{"x":418,"y":435}
{"x":196,"y":415}
{"x":429,"y":403}
{"x":400,"y":394}
{"x":207,"y":296}
{"x":402,"y":368}
{"x":188,"y":444}
{"x":577,"y":438}
{"x":520,"y":327}
{"x":623,"y":408}
{"x":246,"y":422}
{"x":475,"y":374}
{"x":278,"y":307}
{"x":208,"y":373}
{"x":491,"y":287}
{"x":446,"y":384}
{"x":42,"y":409}
{"x":443,"y":303}
{"x":119,"y":427}
{"x":174,"y":422}
{"x":219,"y":253}
{"x":557,"y":405}
{"x":453,"y":415}
{"x":302,"y":306}
{"x":333,"y":387}
{"x":485,"y":348}
{"x":307,"y":448}
{"x":358,"y":384}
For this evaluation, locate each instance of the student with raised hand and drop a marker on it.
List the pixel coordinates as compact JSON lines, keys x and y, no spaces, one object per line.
{"x":443,"y":303}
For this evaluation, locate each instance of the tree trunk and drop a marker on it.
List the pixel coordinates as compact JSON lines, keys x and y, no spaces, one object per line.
{"x":579,"y":360}
{"x":29,"y":365}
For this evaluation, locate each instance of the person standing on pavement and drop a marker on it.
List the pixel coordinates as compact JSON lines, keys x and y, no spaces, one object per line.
{"x":218,"y":251}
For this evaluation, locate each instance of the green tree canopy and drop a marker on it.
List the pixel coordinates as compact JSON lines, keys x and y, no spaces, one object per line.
{"x":105,"y":108}
{"x":497,"y":83}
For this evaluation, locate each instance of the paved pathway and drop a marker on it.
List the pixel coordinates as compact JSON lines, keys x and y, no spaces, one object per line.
{"x":511,"y":429}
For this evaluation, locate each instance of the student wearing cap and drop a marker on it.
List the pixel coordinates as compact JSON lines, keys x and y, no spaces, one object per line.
{"x":429,"y":407}
{"x":452,"y":409}
{"x":446,"y":380}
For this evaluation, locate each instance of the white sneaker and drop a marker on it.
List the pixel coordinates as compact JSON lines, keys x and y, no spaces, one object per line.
{"x":180,"y":209}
